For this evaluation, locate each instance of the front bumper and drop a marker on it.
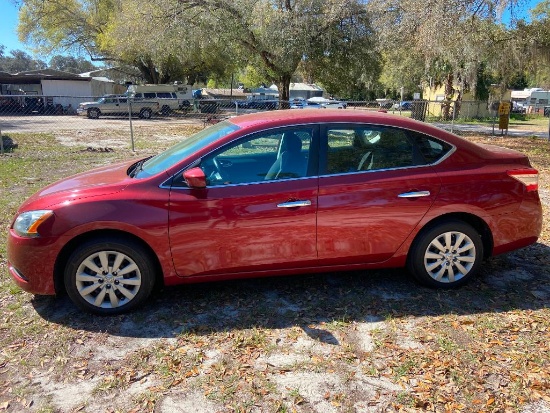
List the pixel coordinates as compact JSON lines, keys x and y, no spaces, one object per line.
{"x":31,"y":263}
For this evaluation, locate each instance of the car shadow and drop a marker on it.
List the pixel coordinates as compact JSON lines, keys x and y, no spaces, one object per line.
{"x":514,"y":281}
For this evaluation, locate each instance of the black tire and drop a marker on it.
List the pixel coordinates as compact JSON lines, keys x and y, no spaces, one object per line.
{"x":93,"y":113}
{"x":145,"y":113}
{"x":446,"y":255}
{"x":165,"y":110}
{"x":114,"y":293}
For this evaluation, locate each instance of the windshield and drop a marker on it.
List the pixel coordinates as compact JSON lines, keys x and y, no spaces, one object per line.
{"x":186,"y":147}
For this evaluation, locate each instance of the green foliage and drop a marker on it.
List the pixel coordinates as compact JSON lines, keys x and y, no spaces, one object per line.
{"x":449,"y":39}
{"x":541,"y":12}
{"x":63,"y":25}
{"x":401,"y":69}
{"x":534,"y":37}
{"x":18,"y":61}
{"x":250,"y":77}
{"x":344,"y":58}
{"x":483,"y":83}
{"x":71,"y":64}
{"x":165,"y":45}
{"x":353,"y":48}
{"x":276,"y":38}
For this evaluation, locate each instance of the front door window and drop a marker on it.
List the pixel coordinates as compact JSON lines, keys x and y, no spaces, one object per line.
{"x":275,"y":155}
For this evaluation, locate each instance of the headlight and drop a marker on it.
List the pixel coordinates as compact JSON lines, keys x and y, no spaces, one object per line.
{"x":26,"y":224}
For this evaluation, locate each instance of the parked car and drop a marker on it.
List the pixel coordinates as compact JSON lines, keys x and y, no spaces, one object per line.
{"x":404,"y":105}
{"x":323,"y":103}
{"x":519,"y":107}
{"x":117,"y":105}
{"x":334,"y":104}
{"x":277,"y":193}
{"x":313,"y":105}
{"x":261,"y":104}
{"x":297,"y":103}
{"x":241,"y":103}
{"x":384,"y":103}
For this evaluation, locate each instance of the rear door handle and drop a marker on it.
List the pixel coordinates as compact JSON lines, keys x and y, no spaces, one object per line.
{"x":417,"y":194}
{"x":294,"y":204}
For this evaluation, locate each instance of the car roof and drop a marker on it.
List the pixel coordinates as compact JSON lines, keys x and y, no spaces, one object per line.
{"x":290,"y":117}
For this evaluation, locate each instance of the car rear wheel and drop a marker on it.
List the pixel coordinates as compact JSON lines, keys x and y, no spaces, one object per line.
{"x":145,"y":113}
{"x":107,"y":277}
{"x":446,"y":255}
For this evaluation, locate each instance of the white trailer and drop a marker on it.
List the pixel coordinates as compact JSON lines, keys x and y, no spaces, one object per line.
{"x":538,"y":100}
{"x":169,"y":97}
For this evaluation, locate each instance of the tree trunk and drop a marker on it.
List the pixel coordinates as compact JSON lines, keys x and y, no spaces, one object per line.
{"x":458,"y":104}
{"x":283,"y":84}
{"x":449,"y":91}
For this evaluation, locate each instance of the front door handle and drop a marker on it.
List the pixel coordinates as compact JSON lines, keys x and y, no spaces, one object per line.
{"x":417,"y":194}
{"x":294,"y":204}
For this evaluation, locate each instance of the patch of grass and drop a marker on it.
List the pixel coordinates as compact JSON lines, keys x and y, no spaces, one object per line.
{"x":447,"y":344}
{"x":47,"y":409}
{"x":404,"y":368}
{"x":405,"y":399}
{"x":338,"y":325}
{"x":294,"y":333}
{"x":255,"y":339}
{"x":107,"y":384}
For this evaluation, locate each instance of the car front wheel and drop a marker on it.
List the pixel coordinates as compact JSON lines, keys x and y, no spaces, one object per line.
{"x":107,"y":277}
{"x":446,"y":255}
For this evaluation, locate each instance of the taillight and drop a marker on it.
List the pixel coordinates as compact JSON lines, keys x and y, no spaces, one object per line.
{"x":528,"y":177}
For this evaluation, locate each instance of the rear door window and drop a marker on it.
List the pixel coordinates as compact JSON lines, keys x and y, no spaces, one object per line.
{"x":364,"y":148}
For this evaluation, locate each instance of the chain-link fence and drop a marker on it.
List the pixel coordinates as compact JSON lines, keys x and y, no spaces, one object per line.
{"x":98,"y":121}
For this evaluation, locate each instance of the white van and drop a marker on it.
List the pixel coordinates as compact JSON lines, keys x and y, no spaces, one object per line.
{"x":538,"y":100}
{"x":169,"y":97}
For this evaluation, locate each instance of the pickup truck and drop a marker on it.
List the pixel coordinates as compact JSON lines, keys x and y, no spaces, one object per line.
{"x":117,"y":105}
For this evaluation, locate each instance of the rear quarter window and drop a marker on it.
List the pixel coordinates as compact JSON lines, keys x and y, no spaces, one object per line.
{"x":431,"y":149}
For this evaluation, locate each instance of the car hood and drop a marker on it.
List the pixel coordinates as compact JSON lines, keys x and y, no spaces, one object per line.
{"x":100,"y":181}
{"x":88,"y":103}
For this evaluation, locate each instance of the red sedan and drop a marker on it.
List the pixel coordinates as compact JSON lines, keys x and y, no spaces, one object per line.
{"x":277,"y":193}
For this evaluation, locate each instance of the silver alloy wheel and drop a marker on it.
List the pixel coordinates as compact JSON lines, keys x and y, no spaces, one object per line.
{"x":93,"y":113}
{"x":450,"y":257}
{"x":108,"y":279}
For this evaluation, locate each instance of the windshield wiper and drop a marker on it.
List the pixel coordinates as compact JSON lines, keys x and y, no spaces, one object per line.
{"x":137,"y":168}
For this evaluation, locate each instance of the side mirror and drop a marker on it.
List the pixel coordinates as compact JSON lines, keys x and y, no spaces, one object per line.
{"x":195,"y":178}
